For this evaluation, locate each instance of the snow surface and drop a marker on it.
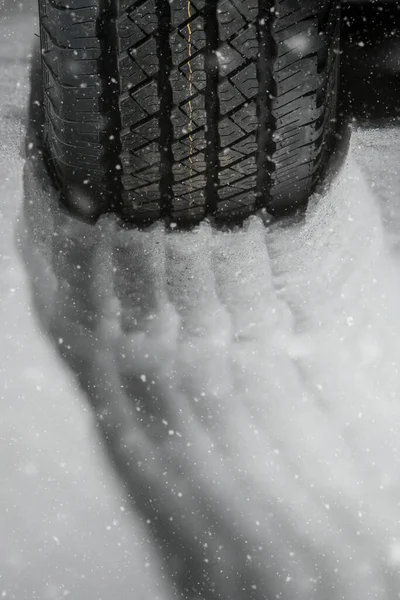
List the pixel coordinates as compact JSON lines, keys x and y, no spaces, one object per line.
{"x":275,"y":360}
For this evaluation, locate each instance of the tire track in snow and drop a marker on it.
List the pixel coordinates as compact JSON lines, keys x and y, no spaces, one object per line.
{"x":287,"y":411}
{"x":216,"y":399}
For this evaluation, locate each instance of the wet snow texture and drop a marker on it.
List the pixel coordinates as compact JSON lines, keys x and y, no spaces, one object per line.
{"x":251,"y":376}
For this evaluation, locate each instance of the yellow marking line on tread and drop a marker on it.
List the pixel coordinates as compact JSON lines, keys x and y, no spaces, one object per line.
{"x":189,"y":29}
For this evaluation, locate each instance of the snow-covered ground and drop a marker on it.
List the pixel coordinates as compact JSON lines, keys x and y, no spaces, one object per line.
{"x":272,"y":357}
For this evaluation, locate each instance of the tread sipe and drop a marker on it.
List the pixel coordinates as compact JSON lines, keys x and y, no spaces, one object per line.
{"x":184,"y":109}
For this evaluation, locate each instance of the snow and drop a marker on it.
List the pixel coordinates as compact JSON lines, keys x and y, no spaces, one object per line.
{"x":268,"y":355}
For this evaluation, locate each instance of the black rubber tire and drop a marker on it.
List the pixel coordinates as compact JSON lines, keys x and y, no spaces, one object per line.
{"x":186,"y":109}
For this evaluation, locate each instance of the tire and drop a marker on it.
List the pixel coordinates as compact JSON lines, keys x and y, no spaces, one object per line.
{"x":182,"y":110}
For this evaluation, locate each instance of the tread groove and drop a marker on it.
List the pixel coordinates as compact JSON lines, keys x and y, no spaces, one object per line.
{"x":212,"y":105}
{"x":163,"y":11}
